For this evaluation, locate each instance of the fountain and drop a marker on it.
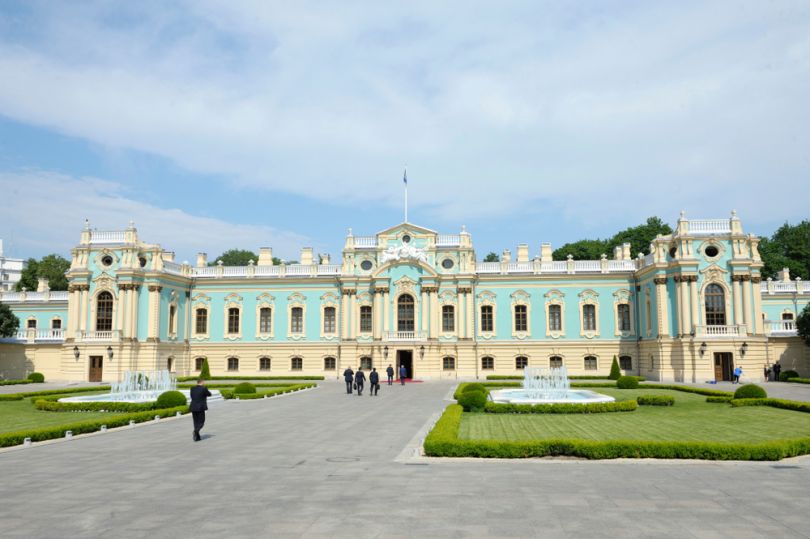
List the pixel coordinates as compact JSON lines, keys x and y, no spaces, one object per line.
{"x":138,"y":386}
{"x":546,"y":386}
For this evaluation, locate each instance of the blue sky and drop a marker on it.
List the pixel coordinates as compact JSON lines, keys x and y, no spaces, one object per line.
{"x":255,"y":123}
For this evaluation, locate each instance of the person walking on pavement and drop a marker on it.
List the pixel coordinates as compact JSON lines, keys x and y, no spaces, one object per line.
{"x":348,"y":375}
{"x":403,"y":372}
{"x":777,"y":369}
{"x":359,"y":380}
{"x":374,"y":379}
{"x":199,"y":404}
{"x":390,"y":372}
{"x":737,"y":375}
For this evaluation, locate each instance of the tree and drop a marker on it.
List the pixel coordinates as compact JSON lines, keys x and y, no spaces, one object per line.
{"x":9,"y":323}
{"x":205,"y":370}
{"x":615,"y":371}
{"x":581,"y":250}
{"x":492,"y":257}
{"x":639,"y":237}
{"x":52,"y":267}
{"x":803,"y":324}
{"x":788,"y":247}
{"x":236,"y":257}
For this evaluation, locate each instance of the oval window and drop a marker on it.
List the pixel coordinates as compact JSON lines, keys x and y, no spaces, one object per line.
{"x":447,"y":263}
{"x":366,"y":265}
{"x":406,"y":239}
{"x":673,"y":252}
{"x":142,"y":261}
{"x":107,"y":260}
{"x":711,"y":251}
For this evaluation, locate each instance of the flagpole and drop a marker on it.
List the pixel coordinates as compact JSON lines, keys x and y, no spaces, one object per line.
{"x":405,"y":179}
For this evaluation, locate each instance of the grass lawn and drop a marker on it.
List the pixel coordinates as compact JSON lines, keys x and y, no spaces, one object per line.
{"x":690,"y":419}
{"x":21,"y":415}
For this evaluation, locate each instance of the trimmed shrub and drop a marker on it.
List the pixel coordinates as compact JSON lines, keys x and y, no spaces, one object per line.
{"x":244,"y":387}
{"x":627,"y":382}
{"x":475,"y":386}
{"x":487,"y":385}
{"x":787,"y":375}
{"x":170,"y":399}
{"x":229,"y":394}
{"x":794,"y":380}
{"x":194,"y":378}
{"x":719,"y":399}
{"x":796,"y":406}
{"x":36,"y":377}
{"x":47,"y":392}
{"x":655,"y":400}
{"x":14,"y":382}
{"x":615,"y":371}
{"x":205,"y":370}
{"x":50,"y":404}
{"x":560,"y":408}
{"x":689,"y":389}
{"x":750,"y":391}
{"x":473,"y":401}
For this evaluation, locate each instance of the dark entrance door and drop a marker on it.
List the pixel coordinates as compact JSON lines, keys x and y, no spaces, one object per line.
{"x":405,"y":357}
{"x":96,"y":365}
{"x":723,"y":366}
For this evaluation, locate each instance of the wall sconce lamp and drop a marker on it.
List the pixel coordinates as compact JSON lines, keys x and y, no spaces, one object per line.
{"x":385,"y":352}
{"x":743,"y":349}
{"x":76,"y":353}
{"x":703,"y":348}
{"x":109,"y":353}
{"x":422,"y":352}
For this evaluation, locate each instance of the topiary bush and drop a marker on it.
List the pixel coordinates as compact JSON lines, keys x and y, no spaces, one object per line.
{"x":473,"y":401}
{"x":244,"y":388}
{"x":655,"y":400}
{"x":475,"y":386}
{"x":170,"y":399}
{"x":784,"y":375}
{"x":36,"y":377}
{"x":615,"y":371}
{"x":627,"y":382}
{"x":750,"y":391}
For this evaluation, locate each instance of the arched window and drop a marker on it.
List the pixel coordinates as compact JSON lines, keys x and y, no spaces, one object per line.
{"x":589,"y":317}
{"x":487,"y":322}
{"x":264,"y":363}
{"x":297,"y":363}
{"x":521,"y":318}
{"x":715,"y":305}
{"x":201,"y":321}
{"x":487,"y":363}
{"x":521,"y":362}
{"x":623,"y":313}
{"x":329,"y":363}
{"x":449,"y":363}
{"x":233,"y":320}
{"x":405,"y":313}
{"x":626,"y":363}
{"x":170,"y":364}
{"x":365,"y":363}
{"x":555,"y":362}
{"x":590,"y":363}
{"x":787,"y":316}
{"x":198,"y":363}
{"x":104,"y":312}
{"x":329,"y":318}
{"x":554,"y":318}
{"x":233,"y":363}
{"x":448,"y":318}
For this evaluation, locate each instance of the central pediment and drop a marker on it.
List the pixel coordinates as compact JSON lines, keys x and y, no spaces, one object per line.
{"x":406,"y":227}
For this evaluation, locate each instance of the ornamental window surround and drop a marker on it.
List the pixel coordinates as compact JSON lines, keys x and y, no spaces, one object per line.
{"x":264,"y":363}
{"x":265,"y":311}
{"x":589,"y":314}
{"x":296,"y":316}
{"x":104,"y":311}
{"x":233,"y":317}
{"x":31,"y":323}
{"x":297,"y":320}
{"x":521,"y":314}
{"x":296,"y":364}
{"x":233,"y":363}
{"x":449,"y":363}
{"x":448,"y":318}
{"x":555,"y":314}
{"x":56,"y":323}
{"x":555,"y":362}
{"x":555,"y":317}
{"x":233,"y":320}
{"x":623,"y":316}
{"x":624,"y":323}
{"x":487,"y":319}
{"x":329,"y":320}
{"x":590,"y":363}
{"x":265,"y":320}
{"x":589,"y":317}
{"x":200,"y":321}
{"x":715,"y":305}
{"x":406,"y":313}
{"x":329,"y":363}
{"x":521,"y":362}
{"x":366,"y":319}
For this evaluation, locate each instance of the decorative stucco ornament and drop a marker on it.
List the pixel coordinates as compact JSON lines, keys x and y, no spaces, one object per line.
{"x":401,"y":252}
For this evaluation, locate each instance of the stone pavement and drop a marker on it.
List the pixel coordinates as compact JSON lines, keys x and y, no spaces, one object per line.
{"x":325,"y":464}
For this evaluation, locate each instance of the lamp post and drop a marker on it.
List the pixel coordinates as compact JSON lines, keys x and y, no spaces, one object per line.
{"x":385,"y":352}
{"x":422,"y":352}
{"x":743,"y":349}
{"x":76,"y":353}
{"x":110,"y":353}
{"x":703,"y":348}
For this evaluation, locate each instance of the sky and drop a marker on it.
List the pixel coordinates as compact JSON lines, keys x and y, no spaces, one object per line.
{"x":243,"y":124}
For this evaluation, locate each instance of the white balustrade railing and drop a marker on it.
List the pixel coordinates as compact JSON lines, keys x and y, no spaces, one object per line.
{"x":299,"y":270}
{"x":780,"y":328}
{"x":108,"y":236}
{"x":404,"y":335}
{"x":50,"y":335}
{"x":234,"y":271}
{"x":173,"y":268}
{"x":204,"y":272}
{"x":97,"y":335}
{"x":365,"y":241}
{"x":20,"y":297}
{"x":488,"y":267}
{"x":720,"y":331}
{"x":555,"y":266}
{"x":329,"y":269}
{"x":709,"y":226}
{"x":648,"y":260}
{"x":443,"y":240}
{"x":267,"y":271}
{"x":587,"y":266}
{"x":519,"y":267}
{"x":620,"y":265}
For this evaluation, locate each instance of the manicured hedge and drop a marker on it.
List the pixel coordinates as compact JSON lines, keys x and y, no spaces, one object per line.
{"x":655,"y":400}
{"x":82,"y":427}
{"x":229,"y":394}
{"x":36,"y":377}
{"x":689,"y":389}
{"x":21,"y":396}
{"x":49,"y":405}
{"x":799,"y":380}
{"x":244,"y":388}
{"x":194,"y":378}
{"x":796,"y":406}
{"x":442,"y":441}
{"x":627,"y":382}
{"x":750,"y":391}
{"x":170,"y":399}
{"x":719,"y":399}
{"x":560,"y":408}
{"x":583,"y":377}
{"x":17,"y":382}
{"x":487,"y":385}
{"x":221,"y":385}
{"x":787,"y":375}
{"x":473,"y":400}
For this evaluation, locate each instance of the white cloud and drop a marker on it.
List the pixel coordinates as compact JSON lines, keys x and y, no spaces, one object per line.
{"x":44,"y":212}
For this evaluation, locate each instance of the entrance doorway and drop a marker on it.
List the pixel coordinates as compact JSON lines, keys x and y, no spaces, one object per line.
{"x":723,"y":366}
{"x":405,"y":357}
{"x":96,"y":367}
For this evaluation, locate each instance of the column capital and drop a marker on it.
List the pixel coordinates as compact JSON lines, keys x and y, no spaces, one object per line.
{"x":464,"y":290}
{"x":756,"y":279}
{"x":430,"y":289}
{"x":349,"y":291}
{"x":381,"y":289}
{"x":660,"y":280}
{"x":155,"y":288}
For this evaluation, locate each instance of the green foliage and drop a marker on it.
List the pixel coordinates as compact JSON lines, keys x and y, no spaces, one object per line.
{"x":473,"y":401}
{"x":689,"y":389}
{"x":575,"y":377}
{"x":82,"y":427}
{"x":788,"y":247}
{"x":14,"y":382}
{"x":244,"y":387}
{"x":475,"y":386}
{"x":229,"y":394}
{"x":561,"y":408}
{"x":784,"y":376}
{"x":170,"y":399}
{"x":52,"y":267}
{"x":581,"y":250}
{"x":794,"y":380}
{"x":655,"y":400}
{"x":492,"y":257}
{"x":803,"y":324}
{"x":194,"y":378}
{"x":750,"y":391}
{"x":627,"y":382}
{"x":9,"y":323}
{"x":487,"y":385}
{"x":205,"y":370}
{"x":796,"y":406}
{"x":235,"y":257}
{"x":36,"y":377}
{"x":639,"y":238}
{"x":615,"y":371}
{"x":719,"y":399}
{"x":48,"y":392}
{"x":51,"y":405}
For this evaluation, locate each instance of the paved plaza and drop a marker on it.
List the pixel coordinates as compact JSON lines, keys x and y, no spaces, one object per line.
{"x":321,"y":463}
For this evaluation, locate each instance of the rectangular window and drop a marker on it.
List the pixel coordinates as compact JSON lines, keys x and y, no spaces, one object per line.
{"x":365,"y":363}
{"x":448,"y":318}
{"x":233,"y":364}
{"x":56,"y":324}
{"x":297,"y":364}
{"x":487,"y":322}
{"x":265,"y":320}
{"x":521,"y":362}
{"x":329,"y":363}
{"x":521,"y":318}
{"x":264,"y":364}
{"x":555,"y":318}
{"x":233,"y":320}
{"x":172,"y":319}
{"x":589,"y":317}
{"x":624,"y":316}
{"x":449,"y":363}
{"x":198,"y":363}
{"x":626,"y":363}
{"x":31,"y":324}
{"x":297,"y":321}
{"x":590,"y":363}
{"x":555,"y":362}
{"x":487,"y":363}
{"x":201,"y":321}
{"x":365,"y":319}
{"x":329,"y":320}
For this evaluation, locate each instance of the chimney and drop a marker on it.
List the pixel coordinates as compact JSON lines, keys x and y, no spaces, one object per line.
{"x":626,"y":254}
{"x":325,"y":259}
{"x":202,"y":260}
{"x":168,"y":256}
{"x":784,"y":275}
{"x":265,"y":256}
{"x":306,"y":256}
{"x":545,"y":252}
{"x":617,"y":252}
{"x":42,"y":285}
{"x":506,"y":256}
{"x":523,"y":252}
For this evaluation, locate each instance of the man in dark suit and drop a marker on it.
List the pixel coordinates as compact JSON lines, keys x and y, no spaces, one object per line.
{"x":199,"y":404}
{"x":403,"y":372}
{"x":390,"y":372}
{"x":359,"y":380}
{"x":374,"y":379}
{"x":348,"y":375}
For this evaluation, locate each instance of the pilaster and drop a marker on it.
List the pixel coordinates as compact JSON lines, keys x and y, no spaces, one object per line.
{"x":661,"y":302}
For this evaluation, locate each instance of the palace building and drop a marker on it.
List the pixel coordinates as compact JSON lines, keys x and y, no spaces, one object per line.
{"x":691,"y":310}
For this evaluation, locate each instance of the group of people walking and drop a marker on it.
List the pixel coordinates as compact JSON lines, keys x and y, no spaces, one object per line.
{"x":357,"y":380}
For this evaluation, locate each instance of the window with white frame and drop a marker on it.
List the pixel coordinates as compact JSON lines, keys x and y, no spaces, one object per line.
{"x":623,"y":315}
{"x":449,"y":363}
{"x":265,"y":320}
{"x":329,"y":319}
{"x":487,"y":318}
{"x":104,"y":312}
{"x":521,"y":318}
{"x":233,"y":320}
{"x":589,"y":317}
{"x":521,"y":362}
{"x":31,"y":323}
{"x":366,"y":321}
{"x":264,"y":363}
{"x":297,"y":320}
{"x":233,"y":363}
{"x":201,"y":321}
{"x":487,"y":363}
{"x":555,"y":317}
{"x":590,"y":363}
{"x":448,"y":318}
{"x":297,"y":364}
{"x":56,"y":323}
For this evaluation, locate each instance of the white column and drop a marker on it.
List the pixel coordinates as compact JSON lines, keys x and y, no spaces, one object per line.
{"x":153,"y":331}
{"x":755,"y":284}
{"x":661,"y":303}
{"x":434,"y":317}
{"x":386,"y":309}
{"x":746,"y":286}
{"x":694,"y":300}
{"x":687,"y":319}
{"x":679,"y":303}
{"x":134,"y":300}
{"x":344,"y":316}
{"x":83,"y":312}
{"x":73,"y":316}
{"x":353,"y":308}
{"x":461,"y":322}
{"x":737,"y":293}
{"x":121,"y":309}
{"x":470,"y":314}
{"x":376,"y":315}
{"x":424,"y":310}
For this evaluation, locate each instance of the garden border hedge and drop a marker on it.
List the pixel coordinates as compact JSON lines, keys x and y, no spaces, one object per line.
{"x":52,"y":405}
{"x":560,"y":408}
{"x":655,"y":400}
{"x":194,"y":378}
{"x":227,"y":394}
{"x":442,"y":441}
{"x":46,"y":392}
{"x":784,"y":404}
{"x":18,"y":382}
{"x":583,"y":377}
{"x":799,"y":380}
